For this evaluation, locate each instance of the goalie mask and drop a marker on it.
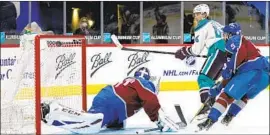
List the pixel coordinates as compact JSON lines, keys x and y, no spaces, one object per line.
{"x":143,"y":72}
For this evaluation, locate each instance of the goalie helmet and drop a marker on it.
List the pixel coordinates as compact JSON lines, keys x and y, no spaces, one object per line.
{"x":143,"y":72}
{"x":202,"y":8}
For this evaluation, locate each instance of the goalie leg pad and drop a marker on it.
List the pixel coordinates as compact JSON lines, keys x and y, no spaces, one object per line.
{"x":72,"y":120}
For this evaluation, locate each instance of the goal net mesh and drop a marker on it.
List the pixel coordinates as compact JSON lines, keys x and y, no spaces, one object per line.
{"x":48,"y":68}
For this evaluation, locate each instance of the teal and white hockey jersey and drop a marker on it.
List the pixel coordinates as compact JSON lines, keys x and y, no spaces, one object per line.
{"x":208,"y":38}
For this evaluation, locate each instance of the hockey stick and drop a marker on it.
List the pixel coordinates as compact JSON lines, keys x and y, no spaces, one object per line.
{"x":179,"y":111}
{"x":202,"y":106}
{"x":219,"y":80}
{"x":119,"y":45}
{"x":181,"y":124}
{"x":147,"y":130}
{"x":199,"y":111}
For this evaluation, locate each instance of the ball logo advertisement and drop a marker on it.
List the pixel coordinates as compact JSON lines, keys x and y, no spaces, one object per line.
{"x":63,"y":62}
{"x":137,"y":59}
{"x":99,"y":60}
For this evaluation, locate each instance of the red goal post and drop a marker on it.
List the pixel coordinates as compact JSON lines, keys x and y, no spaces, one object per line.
{"x":52,"y":42}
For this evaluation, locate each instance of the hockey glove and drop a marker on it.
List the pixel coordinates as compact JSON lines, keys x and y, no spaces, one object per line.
{"x":165,"y":123}
{"x":215,"y":90}
{"x":226,"y":72}
{"x":204,"y":95}
{"x":183,"y":53}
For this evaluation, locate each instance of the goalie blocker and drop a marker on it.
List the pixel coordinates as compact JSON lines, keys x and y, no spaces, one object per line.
{"x":112,"y":106}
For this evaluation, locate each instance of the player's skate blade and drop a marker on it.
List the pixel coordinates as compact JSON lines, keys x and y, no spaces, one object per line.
{"x":205,"y":125}
{"x":202,"y":117}
{"x":227,"y":119}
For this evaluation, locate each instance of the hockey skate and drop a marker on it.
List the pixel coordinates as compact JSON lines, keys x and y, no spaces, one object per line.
{"x":227,"y":119}
{"x":206,"y":124}
{"x":203,"y":113}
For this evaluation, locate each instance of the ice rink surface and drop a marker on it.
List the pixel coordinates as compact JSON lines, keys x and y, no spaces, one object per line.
{"x":254,"y":119}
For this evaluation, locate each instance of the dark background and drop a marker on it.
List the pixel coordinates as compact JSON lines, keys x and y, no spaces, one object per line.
{"x":49,"y":16}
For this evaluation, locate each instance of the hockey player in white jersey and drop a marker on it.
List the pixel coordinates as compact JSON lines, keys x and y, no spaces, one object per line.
{"x":112,"y":106}
{"x":208,"y":41}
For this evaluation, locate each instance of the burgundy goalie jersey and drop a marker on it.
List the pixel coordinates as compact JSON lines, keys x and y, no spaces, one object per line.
{"x":124,"y":99}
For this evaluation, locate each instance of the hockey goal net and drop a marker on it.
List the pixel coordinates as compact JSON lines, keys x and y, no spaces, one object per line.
{"x":58,"y":67}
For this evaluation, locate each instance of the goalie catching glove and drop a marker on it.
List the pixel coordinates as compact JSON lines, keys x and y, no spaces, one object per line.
{"x":165,"y":123}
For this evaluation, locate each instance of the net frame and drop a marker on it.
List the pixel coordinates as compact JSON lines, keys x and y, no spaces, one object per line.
{"x":37,"y":75}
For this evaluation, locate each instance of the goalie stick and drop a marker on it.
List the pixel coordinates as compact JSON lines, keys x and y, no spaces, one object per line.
{"x":181,"y":124}
{"x":119,"y":45}
{"x":147,"y":130}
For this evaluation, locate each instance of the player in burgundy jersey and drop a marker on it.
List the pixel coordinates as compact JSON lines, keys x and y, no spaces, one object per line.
{"x":245,"y":75}
{"x":112,"y":106}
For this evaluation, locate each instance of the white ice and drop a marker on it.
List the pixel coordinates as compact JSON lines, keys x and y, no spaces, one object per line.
{"x":254,"y":118}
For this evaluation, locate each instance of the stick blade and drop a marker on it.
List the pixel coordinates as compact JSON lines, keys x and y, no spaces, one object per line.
{"x":116,"y":41}
{"x":179,"y":111}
